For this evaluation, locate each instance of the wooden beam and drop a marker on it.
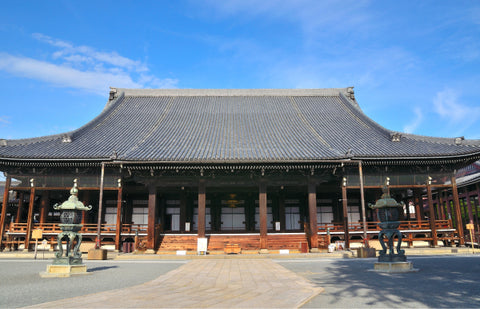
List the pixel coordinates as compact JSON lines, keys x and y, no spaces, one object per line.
{"x":201,"y":208}
{"x":458,"y":214}
{"x":28,"y":234}
{"x":4,"y":208}
{"x":65,"y":188}
{"x":152,"y":203}
{"x":399,"y":187}
{"x":431,"y":215}
{"x":312,"y":214}
{"x":262,"y":204}
{"x":118,"y":230}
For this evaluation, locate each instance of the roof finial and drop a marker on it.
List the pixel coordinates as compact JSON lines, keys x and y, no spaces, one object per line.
{"x":350,"y":92}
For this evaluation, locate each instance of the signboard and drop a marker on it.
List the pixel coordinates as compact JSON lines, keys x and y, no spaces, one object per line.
{"x":202,"y":245}
{"x":470,"y":226}
{"x":37,"y":234}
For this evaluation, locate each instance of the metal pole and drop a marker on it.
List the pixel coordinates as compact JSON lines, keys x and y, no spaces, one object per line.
{"x":100,"y":206}
{"x":362,"y":201}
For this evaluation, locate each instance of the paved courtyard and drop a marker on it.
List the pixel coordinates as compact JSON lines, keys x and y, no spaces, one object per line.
{"x":442,"y":282}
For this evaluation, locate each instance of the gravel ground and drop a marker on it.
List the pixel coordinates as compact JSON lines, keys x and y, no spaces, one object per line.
{"x":441,"y":282}
{"x":21,"y":285}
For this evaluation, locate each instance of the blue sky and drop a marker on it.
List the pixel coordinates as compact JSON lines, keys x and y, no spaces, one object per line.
{"x":415,"y":65}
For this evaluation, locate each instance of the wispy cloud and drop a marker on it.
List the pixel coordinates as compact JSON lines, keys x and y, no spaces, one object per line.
{"x":415,"y":121}
{"x":84,"y":68}
{"x":4,"y":120}
{"x":459,"y":117}
{"x":311,"y":15}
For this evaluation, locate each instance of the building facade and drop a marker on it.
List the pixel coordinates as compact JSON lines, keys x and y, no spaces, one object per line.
{"x":264,"y":169}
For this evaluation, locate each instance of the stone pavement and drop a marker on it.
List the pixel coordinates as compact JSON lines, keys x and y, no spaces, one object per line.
{"x":221,"y":283}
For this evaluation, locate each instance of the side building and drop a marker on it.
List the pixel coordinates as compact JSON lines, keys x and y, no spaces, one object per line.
{"x":264,"y":169}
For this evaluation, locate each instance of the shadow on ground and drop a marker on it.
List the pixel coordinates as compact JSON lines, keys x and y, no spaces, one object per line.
{"x":100,"y":268}
{"x":446,"y":282}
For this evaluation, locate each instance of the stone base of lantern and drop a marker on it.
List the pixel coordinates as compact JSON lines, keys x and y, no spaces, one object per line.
{"x":394,"y":267}
{"x":62,"y":271}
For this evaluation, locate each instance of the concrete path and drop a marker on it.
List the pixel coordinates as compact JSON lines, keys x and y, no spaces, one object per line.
{"x":222,"y":283}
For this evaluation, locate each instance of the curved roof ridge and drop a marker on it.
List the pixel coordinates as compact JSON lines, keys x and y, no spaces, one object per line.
{"x":460,"y":140}
{"x":357,"y":110}
{"x":327,"y":92}
{"x":66,"y":136}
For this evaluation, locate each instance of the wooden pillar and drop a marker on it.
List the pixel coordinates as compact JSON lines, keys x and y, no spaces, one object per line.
{"x":441,"y":205}
{"x":28,"y":234}
{"x":20,"y":207}
{"x":477,"y":193}
{"x":118,"y":228}
{"x":281,"y":209}
{"x":152,"y":203}
{"x":345,"y":213}
{"x":431,"y":210}
{"x":86,"y":202}
{"x":458,"y":215}
{"x":4,"y":208}
{"x":183,"y":210}
{"x":418,"y":205}
{"x":312,"y":213}
{"x":469,"y":207}
{"x":45,"y":201}
{"x":362,"y":204}
{"x":202,"y":202}
{"x":262,"y":204}
{"x":98,"y":242}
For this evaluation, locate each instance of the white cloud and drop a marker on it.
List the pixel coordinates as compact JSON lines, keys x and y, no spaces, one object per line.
{"x":458,"y":116}
{"x":87,"y":54}
{"x":311,"y":15}
{"x":415,"y":121}
{"x":64,"y":76}
{"x":84,"y":68}
{"x":4,"y":120}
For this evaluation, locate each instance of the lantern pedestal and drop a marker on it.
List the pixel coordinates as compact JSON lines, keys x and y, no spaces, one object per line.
{"x":394,"y":267}
{"x":63,"y":271}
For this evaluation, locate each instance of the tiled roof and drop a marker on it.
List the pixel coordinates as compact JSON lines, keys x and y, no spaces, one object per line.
{"x":223,"y":126}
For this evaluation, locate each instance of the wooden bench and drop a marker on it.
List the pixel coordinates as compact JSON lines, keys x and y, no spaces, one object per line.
{"x":232,"y":249}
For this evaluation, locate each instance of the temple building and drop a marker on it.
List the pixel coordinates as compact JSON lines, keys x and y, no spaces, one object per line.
{"x":257,"y":170}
